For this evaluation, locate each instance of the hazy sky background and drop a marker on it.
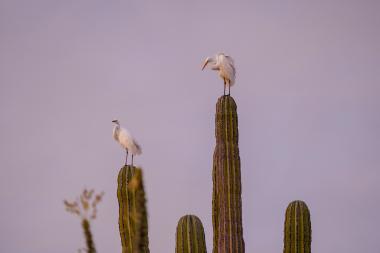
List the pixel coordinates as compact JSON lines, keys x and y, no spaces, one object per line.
{"x":308,"y":95}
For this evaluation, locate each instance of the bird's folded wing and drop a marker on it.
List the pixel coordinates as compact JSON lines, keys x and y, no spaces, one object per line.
{"x":229,"y":67}
{"x":138,"y":147}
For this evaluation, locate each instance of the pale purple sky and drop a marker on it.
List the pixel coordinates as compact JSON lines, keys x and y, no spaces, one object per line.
{"x":308,"y":95}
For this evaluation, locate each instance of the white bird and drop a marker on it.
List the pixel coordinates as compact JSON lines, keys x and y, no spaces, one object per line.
{"x":225,"y":65}
{"x":126,"y":140}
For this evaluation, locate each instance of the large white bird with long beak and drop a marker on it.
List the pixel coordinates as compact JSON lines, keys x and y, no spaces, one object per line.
{"x":126,"y":140}
{"x":225,"y":65}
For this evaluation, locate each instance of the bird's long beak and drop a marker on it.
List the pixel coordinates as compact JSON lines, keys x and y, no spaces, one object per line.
{"x":114,"y":121}
{"x":205,"y":64}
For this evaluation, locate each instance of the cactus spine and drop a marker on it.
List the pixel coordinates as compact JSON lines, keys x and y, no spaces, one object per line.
{"x":130,"y":202}
{"x":226,"y":204}
{"x":190,"y":236}
{"x":297,"y":231}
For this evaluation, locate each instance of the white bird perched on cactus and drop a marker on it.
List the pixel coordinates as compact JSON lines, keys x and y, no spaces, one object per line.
{"x":126,"y":140}
{"x":225,"y":65}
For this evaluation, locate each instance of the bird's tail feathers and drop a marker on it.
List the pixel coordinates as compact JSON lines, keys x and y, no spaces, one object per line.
{"x":138,"y":149}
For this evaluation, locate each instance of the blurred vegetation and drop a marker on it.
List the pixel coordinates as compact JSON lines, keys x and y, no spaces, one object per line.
{"x":85,"y":207}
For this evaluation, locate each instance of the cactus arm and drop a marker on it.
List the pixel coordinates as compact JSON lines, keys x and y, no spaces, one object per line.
{"x":190,"y":237}
{"x":297,"y":231}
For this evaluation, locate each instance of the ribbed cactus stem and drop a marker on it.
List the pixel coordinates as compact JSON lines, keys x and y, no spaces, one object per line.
{"x":139,"y":214}
{"x":130,"y":202}
{"x":190,"y":235}
{"x":126,"y":206}
{"x":297,"y":231}
{"x":227,"y":206}
{"x":87,"y":234}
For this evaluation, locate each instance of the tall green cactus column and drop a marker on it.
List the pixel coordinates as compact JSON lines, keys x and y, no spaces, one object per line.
{"x":297,"y":231}
{"x":133,"y":228}
{"x":139,"y":215}
{"x":190,"y":236}
{"x":226,"y":203}
{"x":126,"y":207}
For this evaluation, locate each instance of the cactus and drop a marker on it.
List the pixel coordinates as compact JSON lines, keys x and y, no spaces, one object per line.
{"x":139,"y":214}
{"x":297,"y":231}
{"x":190,"y":235}
{"x":131,"y":202}
{"x":126,"y":205}
{"x":226,"y":203}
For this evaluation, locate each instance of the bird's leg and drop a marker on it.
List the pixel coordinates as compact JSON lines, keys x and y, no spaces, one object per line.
{"x":229,"y":88}
{"x":224,"y":91}
{"x":132,"y":160}
{"x":126,"y":157}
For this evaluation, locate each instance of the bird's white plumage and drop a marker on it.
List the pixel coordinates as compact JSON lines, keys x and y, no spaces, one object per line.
{"x":125,"y":139}
{"x":225,"y":65}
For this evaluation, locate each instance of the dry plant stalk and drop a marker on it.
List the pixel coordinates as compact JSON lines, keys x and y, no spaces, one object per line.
{"x":86,"y":208}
